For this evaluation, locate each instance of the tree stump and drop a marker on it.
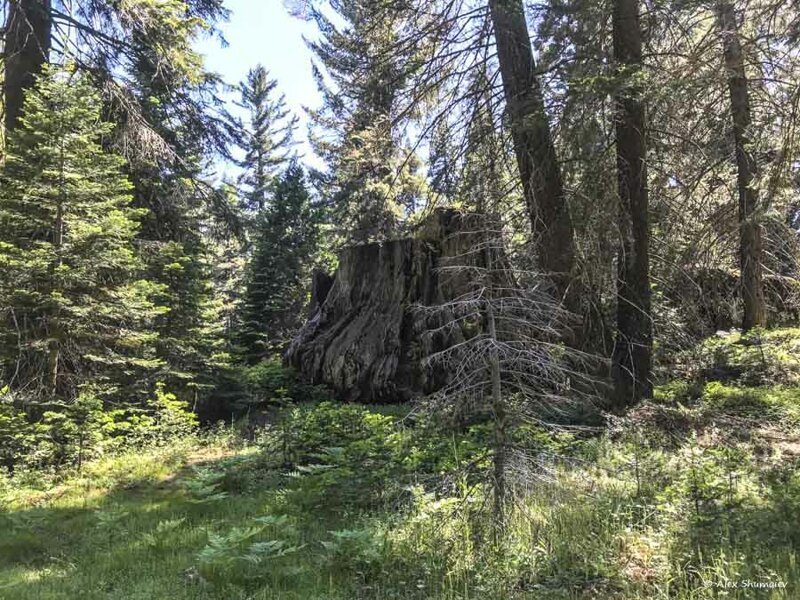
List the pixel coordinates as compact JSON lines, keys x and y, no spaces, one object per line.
{"x":364,"y":337}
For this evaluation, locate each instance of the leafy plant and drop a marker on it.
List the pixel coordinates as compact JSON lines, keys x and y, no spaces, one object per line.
{"x":238,"y":553}
{"x":271,"y":383}
{"x":158,"y":539}
{"x":205,"y":486}
{"x":355,"y":548}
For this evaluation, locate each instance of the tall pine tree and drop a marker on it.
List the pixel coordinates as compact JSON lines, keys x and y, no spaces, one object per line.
{"x":372,"y":181}
{"x":285,"y":241}
{"x":74,"y":304}
{"x":267,"y":137}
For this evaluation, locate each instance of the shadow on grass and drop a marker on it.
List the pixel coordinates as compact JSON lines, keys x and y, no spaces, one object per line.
{"x":750,"y":551}
{"x":91,"y":543}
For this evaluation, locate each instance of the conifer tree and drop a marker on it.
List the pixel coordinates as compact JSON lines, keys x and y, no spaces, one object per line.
{"x":372,"y":180}
{"x":633,"y":349}
{"x":267,"y":137}
{"x":181,"y":210}
{"x":73,"y":301}
{"x":534,"y":146}
{"x":508,"y":366}
{"x":285,"y":241}
{"x":112,"y":41}
{"x":168,"y":122}
{"x":750,"y":242}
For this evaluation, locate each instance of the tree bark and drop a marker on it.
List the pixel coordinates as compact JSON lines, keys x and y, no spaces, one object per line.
{"x":500,"y":432}
{"x":365,"y":339}
{"x":27,"y":47}
{"x":498,"y":406}
{"x":634,"y":342}
{"x":750,"y":244}
{"x":535,"y":151}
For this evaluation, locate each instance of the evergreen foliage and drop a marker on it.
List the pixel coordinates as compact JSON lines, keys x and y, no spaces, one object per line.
{"x":286,"y":238}
{"x":182,"y":212}
{"x":75,"y":303}
{"x":141,"y":294}
{"x":372,"y":181}
{"x":266,"y":139}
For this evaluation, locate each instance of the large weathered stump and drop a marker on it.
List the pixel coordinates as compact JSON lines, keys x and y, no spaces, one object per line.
{"x":364,"y":336}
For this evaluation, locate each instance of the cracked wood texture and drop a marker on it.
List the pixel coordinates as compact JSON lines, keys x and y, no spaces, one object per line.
{"x":364,"y":338}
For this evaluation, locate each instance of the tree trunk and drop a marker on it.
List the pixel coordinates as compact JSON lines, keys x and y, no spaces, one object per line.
{"x":53,"y":353}
{"x":498,"y":402}
{"x":365,"y":337}
{"x":534,"y":148}
{"x":500,"y":433}
{"x":27,"y":46}
{"x":53,"y":324}
{"x":633,"y":347}
{"x":750,"y":251}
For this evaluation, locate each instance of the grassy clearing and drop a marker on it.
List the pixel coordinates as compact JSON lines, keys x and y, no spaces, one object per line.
{"x":688,"y":496}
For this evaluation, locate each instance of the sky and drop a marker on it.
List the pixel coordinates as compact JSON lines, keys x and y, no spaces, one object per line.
{"x":262,"y":31}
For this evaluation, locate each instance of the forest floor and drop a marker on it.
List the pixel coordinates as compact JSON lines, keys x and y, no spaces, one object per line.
{"x":693,"y":495}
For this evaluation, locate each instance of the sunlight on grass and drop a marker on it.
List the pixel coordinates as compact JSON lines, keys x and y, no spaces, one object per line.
{"x":646,"y":511}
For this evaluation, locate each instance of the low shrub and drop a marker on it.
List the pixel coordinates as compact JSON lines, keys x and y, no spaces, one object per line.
{"x":251,"y":554}
{"x":270,"y":383}
{"x":756,"y":358}
{"x":68,"y":435}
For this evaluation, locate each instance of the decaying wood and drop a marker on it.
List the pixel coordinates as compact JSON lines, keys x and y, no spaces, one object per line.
{"x":364,"y":339}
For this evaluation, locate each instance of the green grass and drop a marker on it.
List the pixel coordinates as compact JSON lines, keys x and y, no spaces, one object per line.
{"x":757,"y":358}
{"x":694,"y":491}
{"x":136,"y":526}
{"x":129,"y":529}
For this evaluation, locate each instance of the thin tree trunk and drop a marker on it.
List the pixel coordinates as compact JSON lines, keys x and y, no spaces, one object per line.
{"x":53,"y":352}
{"x":498,"y":403}
{"x":54,"y":328}
{"x":633,"y":347}
{"x":500,"y":433}
{"x":750,"y":250}
{"x":27,"y":47}
{"x":534,"y":148}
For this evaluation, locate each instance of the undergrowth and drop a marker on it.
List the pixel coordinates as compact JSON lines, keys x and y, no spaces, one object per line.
{"x":692,"y":495}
